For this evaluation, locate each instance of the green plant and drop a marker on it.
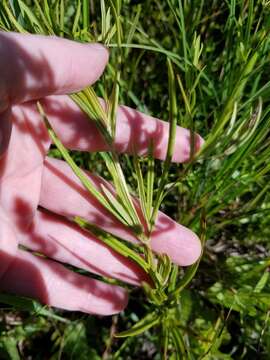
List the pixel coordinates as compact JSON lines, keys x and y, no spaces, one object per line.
{"x":222,"y":93}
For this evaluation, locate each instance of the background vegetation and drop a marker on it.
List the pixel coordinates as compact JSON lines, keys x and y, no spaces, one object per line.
{"x":220,"y":49}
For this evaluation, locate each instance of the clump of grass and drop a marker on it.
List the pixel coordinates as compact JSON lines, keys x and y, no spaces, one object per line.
{"x":216,"y":76}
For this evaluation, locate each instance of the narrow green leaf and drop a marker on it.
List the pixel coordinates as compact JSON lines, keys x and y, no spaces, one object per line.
{"x":189,"y":117}
{"x":198,"y":48}
{"x":173,"y":278}
{"x":10,"y":345}
{"x":164,"y":267}
{"x":76,"y":21}
{"x":113,"y":165}
{"x":62,"y":17}
{"x":165,"y":341}
{"x":36,"y":24}
{"x":114,"y":99}
{"x":27,"y":304}
{"x":172,"y":133}
{"x":141,"y":326}
{"x":184,"y":95}
{"x":180,"y":348}
{"x":13,"y":20}
{"x":114,"y":242}
{"x":134,"y":24}
{"x":249,"y":20}
{"x":103,"y":20}
{"x":46,"y":8}
{"x":262,"y":282}
{"x":150,"y":178}
{"x":45,"y":18}
{"x":86,"y":14}
{"x":141,"y":190}
{"x":118,"y":207}
{"x":183,"y":34}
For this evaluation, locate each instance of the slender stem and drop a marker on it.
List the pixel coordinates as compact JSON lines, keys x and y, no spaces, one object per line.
{"x":86,"y":14}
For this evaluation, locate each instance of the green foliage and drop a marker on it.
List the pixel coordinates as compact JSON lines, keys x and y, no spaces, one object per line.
{"x":218,"y":85}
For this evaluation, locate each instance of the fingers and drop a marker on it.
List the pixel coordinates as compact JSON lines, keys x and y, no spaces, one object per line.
{"x":134,"y":130}
{"x":53,"y":284}
{"x":34,"y":66}
{"x":61,"y":240}
{"x":62,"y":193}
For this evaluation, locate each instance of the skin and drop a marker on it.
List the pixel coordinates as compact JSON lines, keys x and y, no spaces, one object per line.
{"x":38,"y":194}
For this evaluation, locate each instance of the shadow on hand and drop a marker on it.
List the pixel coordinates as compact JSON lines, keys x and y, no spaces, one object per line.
{"x":53,"y":247}
{"x":23,"y":278}
{"x":52,"y":284}
{"x":31,"y":73}
{"x":133,"y":132}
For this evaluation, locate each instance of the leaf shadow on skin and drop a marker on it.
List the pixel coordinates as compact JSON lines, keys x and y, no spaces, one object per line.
{"x":141,"y":135}
{"x":31,"y":125}
{"x":24,"y":278}
{"x":132,"y":133}
{"x":18,"y":282}
{"x":54,"y":246}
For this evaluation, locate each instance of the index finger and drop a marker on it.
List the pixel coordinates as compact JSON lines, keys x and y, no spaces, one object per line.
{"x":34,"y":66}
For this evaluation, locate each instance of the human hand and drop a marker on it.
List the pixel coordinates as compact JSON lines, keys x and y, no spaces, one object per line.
{"x":39,"y":194}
